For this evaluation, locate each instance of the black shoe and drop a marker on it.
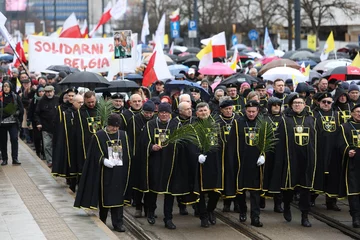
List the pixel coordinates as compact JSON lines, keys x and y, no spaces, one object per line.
{"x":4,"y":162}
{"x":278,"y":208}
{"x":256,"y":222}
{"x":16,"y":162}
{"x":356,"y":223}
{"x":287,"y":215}
{"x":183,"y":211}
{"x":305,"y":220}
{"x":212,"y":218}
{"x":226,"y":208}
{"x":120,"y":228}
{"x":262,"y":203}
{"x":242,"y":217}
{"x":236,"y":208}
{"x":170,"y":225}
{"x":333,"y":206}
{"x":205,"y":223}
{"x":151,"y":218}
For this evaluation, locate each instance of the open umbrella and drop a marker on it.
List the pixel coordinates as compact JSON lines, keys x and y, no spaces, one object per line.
{"x":284,"y":73}
{"x":182,"y":84}
{"x":343,"y":73}
{"x":279,"y":63}
{"x":238,"y":79}
{"x":255,"y":55}
{"x":182,"y":59}
{"x":301,"y":55}
{"x":288,"y":54}
{"x":6,"y":57}
{"x":216,"y":68}
{"x":173,"y":57}
{"x":176,"y":68}
{"x":310,"y":62}
{"x":331,"y":63}
{"x":239,"y":46}
{"x":63,"y":68}
{"x":193,"y":50}
{"x":85,"y":79}
{"x":119,"y":86}
{"x":191,"y":61}
{"x":279,"y":53}
{"x":167,"y":59}
{"x":134,"y":77}
{"x":266,"y":60}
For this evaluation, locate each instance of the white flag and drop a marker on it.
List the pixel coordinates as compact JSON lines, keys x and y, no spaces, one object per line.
{"x":160,"y":31}
{"x":145,"y":29}
{"x":118,"y":9}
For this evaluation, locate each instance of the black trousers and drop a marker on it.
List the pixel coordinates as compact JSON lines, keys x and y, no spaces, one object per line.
{"x":254,"y":203}
{"x":354,"y":205}
{"x":211,"y":204}
{"x":37,"y":138}
{"x":150,"y":204}
{"x":13,"y":132}
{"x":117,"y":214}
{"x":304,"y":201}
{"x":180,"y":205}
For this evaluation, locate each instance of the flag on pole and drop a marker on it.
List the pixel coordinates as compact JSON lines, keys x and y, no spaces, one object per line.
{"x":175,"y":16}
{"x":171,"y":50}
{"x":328,"y":47}
{"x":160,"y":31}
{"x":307,"y":71}
{"x":104,"y":19}
{"x":84,"y":29}
{"x":71,"y":28}
{"x":234,"y":60}
{"x":145,"y":31}
{"x":268,"y":47}
{"x":157,"y":68}
{"x":356,"y":61}
{"x":5,"y":33}
{"x":302,"y":67}
{"x":218,"y":43}
{"x":206,"y":55}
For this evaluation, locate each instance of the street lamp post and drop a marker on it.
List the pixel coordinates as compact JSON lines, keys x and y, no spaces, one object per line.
{"x":297,"y":24}
{"x":196,"y":21}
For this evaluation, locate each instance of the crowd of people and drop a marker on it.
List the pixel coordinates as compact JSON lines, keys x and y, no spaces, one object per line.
{"x":128,"y":160}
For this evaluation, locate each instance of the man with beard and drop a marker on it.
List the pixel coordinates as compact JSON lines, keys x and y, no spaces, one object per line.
{"x":135,"y":129}
{"x":239,"y":101}
{"x":135,"y":108}
{"x":155,"y":164}
{"x":105,"y":178}
{"x":118,"y":103}
{"x":273,"y":117}
{"x":342,"y":104}
{"x":349,"y":145}
{"x":246,"y":166}
{"x":86,"y":124}
{"x":298,"y":139}
{"x":328,"y":160}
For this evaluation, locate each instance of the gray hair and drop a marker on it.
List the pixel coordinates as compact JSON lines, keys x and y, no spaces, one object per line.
{"x":219,"y":90}
{"x":184,"y":95}
{"x":201,"y":105}
{"x":182,"y":105}
{"x":224,"y":98}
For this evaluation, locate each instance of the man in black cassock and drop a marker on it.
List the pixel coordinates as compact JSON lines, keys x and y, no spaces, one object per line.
{"x":239,"y":101}
{"x":156,"y":163}
{"x":349,"y":145}
{"x":328,"y":165}
{"x":86,"y":124}
{"x":105,"y":175}
{"x":247,"y":168}
{"x":135,"y":129}
{"x":273,"y":117}
{"x":135,"y":108}
{"x":118,"y":103}
{"x":295,"y":158}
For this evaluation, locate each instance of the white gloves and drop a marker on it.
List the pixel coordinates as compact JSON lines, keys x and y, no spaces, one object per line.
{"x":202,"y":158}
{"x":108,"y":163}
{"x":261,"y":160}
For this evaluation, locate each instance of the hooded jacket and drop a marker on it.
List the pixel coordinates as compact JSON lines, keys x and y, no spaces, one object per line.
{"x":6,"y":110}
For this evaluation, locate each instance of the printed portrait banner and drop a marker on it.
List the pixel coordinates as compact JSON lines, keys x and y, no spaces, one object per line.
{"x":90,"y":54}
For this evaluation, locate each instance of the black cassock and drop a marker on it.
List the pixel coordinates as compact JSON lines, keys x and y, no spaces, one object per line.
{"x":243,"y":155}
{"x":295,"y":154}
{"x":100,"y":183}
{"x":349,"y":139}
{"x":328,"y":165}
{"x":126,"y":117}
{"x":86,"y":124}
{"x":64,"y":153}
{"x":155,"y":168}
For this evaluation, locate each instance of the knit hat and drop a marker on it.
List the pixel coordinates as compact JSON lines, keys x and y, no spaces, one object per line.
{"x":353,"y":87}
{"x":149,"y":106}
{"x":164,"y":107}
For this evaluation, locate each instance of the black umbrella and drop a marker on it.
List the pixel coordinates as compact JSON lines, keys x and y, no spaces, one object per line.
{"x":119,"y":86}
{"x":306,"y":49}
{"x":288,"y":54}
{"x":193,"y":50}
{"x":191,"y":61}
{"x":182,"y":59}
{"x":63,"y":68}
{"x":238,"y":79}
{"x":134,"y":77}
{"x":173,"y":57}
{"x":85,"y":79}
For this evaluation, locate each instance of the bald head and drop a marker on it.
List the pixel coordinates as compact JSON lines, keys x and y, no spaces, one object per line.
{"x":136,"y":101}
{"x":78,"y":101}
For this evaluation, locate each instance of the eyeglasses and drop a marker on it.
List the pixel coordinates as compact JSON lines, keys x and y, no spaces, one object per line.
{"x":298,"y":103}
{"x":326,"y":102}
